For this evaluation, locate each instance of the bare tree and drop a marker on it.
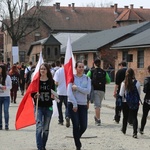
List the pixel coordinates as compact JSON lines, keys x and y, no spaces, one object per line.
{"x":17,"y":20}
{"x":102,"y":4}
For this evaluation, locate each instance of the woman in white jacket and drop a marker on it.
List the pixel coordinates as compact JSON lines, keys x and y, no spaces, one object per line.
{"x":128,"y":85}
{"x":5,"y":86}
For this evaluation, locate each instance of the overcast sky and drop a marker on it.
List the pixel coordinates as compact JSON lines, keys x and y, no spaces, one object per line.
{"x":121,"y":3}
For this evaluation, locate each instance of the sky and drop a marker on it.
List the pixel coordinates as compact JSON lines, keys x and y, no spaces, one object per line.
{"x":121,"y":3}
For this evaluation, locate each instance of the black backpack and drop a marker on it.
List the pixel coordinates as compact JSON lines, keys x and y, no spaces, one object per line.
{"x":86,"y":70}
{"x":28,"y":75}
{"x":98,"y":78}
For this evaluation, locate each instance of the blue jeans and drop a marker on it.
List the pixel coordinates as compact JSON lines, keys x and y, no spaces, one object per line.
{"x":62,"y":99}
{"x":4,"y":101}
{"x":42,"y":126}
{"x":79,"y":121}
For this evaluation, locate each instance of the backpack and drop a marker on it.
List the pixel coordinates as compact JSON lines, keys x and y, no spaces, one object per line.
{"x":133,"y":97}
{"x":86,"y":70}
{"x":98,"y":78}
{"x":29,"y":75}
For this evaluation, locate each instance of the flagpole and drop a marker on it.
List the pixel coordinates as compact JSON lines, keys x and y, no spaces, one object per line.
{"x":37,"y":102}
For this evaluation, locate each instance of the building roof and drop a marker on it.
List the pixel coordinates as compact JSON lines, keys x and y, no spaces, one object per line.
{"x":97,"y":40}
{"x":88,"y":19}
{"x":51,"y":40}
{"x":130,"y":15}
{"x":63,"y":37}
{"x":137,"y":41}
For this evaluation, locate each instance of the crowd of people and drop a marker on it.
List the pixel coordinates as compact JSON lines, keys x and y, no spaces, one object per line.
{"x":89,"y":86}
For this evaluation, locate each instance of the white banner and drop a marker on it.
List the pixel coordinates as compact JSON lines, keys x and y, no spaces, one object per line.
{"x":15,"y":54}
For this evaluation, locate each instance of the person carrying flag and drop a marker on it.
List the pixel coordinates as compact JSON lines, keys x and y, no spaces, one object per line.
{"x":43,"y":99}
{"x":77,"y":103}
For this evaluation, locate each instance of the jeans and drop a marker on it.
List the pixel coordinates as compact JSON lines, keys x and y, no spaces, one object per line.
{"x":42,"y":126}
{"x":4,"y":101}
{"x":79,"y":121}
{"x":118,"y":108}
{"x":62,"y":99}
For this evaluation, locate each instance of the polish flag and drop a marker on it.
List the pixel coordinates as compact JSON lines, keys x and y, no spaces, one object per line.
{"x":68,"y":65}
{"x":25,"y":114}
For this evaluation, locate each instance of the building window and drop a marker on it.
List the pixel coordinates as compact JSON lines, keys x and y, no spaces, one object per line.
{"x":37,"y":36}
{"x":22,"y":56}
{"x":81,"y":57}
{"x":48,"y":51}
{"x":56,"y":51}
{"x":125,"y":56}
{"x":140,"y":59}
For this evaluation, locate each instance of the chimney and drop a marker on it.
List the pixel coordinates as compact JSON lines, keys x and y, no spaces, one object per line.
{"x":141,"y":7}
{"x":69,"y":5}
{"x":26,"y":7}
{"x":37,"y":4}
{"x":131,"y":6}
{"x":57,"y":7}
{"x":115,"y":8}
{"x":73,"y":7}
{"x":126,"y":7}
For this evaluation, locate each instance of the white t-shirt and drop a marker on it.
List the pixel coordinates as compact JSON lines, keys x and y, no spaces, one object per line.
{"x":60,"y":78}
{"x":27,"y":69}
{"x":8,"y":84}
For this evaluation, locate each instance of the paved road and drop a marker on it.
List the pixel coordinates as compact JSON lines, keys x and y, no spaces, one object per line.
{"x":105,"y":137}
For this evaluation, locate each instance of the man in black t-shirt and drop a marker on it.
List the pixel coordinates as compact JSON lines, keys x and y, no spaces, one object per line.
{"x":120,"y":76}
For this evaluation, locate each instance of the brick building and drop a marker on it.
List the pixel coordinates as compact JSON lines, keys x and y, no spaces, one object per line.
{"x":57,"y":18}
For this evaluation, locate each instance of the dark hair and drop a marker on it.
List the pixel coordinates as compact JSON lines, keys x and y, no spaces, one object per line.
{"x":13,"y":70}
{"x":97,"y":62}
{"x":53,"y":65}
{"x":57,"y":63}
{"x":85,"y":62}
{"x":49,"y":75}
{"x":30,"y":63}
{"x":78,"y":62}
{"x":4,"y":74}
{"x":62,"y":59}
{"x":130,"y":75}
{"x":148,"y":68}
{"x":123,"y":63}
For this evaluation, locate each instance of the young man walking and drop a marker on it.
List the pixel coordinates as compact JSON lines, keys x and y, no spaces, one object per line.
{"x":120,"y":76}
{"x":99,"y":78}
{"x":59,"y":78}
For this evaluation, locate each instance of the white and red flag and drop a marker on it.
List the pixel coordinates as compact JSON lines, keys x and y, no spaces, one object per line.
{"x":25,"y":114}
{"x":69,"y":62}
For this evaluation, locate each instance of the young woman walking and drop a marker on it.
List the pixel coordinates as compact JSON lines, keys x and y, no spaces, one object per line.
{"x":77,"y":103}
{"x":128,"y":86}
{"x":5,"y":86}
{"x":44,"y":111}
{"x":15,"y":77}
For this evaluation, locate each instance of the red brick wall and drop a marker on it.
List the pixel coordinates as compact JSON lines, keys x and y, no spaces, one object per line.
{"x":43,"y":30}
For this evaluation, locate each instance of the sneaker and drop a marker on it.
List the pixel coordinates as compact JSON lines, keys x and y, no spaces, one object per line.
{"x":67,"y":122}
{"x":97,"y":121}
{"x":60,"y":123}
{"x":141,"y":132}
{"x":6,"y":128}
{"x":124,"y":132}
{"x":135,"y":136}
